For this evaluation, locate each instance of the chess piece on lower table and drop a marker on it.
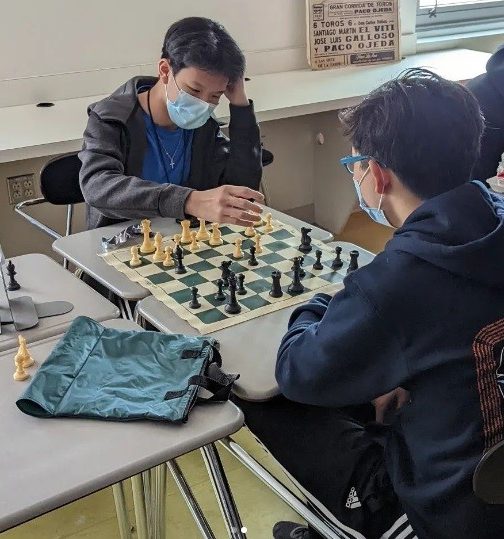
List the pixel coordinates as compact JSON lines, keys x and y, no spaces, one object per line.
{"x":24,"y":354}
{"x":354,"y":263}
{"x":252,"y":260}
{"x":168,"y":260}
{"x":232,"y":306}
{"x":194,"y":243}
{"x":147,"y":246}
{"x":220,"y":296}
{"x":194,"y":303}
{"x":202,"y":234}
{"x":135,"y":258}
{"x":216,"y":237}
{"x":158,"y":242}
{"x":20,"y":373}
{"x":305,"y":246}
{"x":268,"y":227}
{"x":337,"y":262}
{"x":11,"y":271}
{"x":186,"y":232}
{"x":317,"y":265}
{"x":276,"y":288}
{"x":296,"y":287}
{"x":241,"y":290}
{"x":238,"y":253}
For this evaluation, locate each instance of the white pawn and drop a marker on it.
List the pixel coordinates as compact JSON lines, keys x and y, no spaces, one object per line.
{"x":20,"y":373}
{"x":203,"y":234}
{"x":158,"y":242}
{"x":250,"y":232}
{"x":194,"y":243}
{"x":268,"y":227}
{"x":238,"y":253}
{"x":135,"y":259}
{"x":215,"y":238}
{"x":168,"y":261}
{"x":258,"y":247}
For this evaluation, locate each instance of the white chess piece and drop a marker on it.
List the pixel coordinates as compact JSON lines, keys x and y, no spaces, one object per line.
{"x":135,"y":259}
{"x":147,"y":245}
{"x":158,"y":242}
{"x":268,"y":227}
{"x":168,"y":261}
{"x":215,"y":238}
{"x":238,"y":253}
{"x":186,"y":232}
{"x":258,"y":246}
{"x":194,"y":243}
{"x":203,"y":234}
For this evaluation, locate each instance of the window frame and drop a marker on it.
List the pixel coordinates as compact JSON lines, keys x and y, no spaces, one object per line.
{"x":487,"y":16}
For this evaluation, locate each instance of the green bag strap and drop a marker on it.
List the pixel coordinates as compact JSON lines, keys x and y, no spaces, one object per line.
{"x":220,"y":385}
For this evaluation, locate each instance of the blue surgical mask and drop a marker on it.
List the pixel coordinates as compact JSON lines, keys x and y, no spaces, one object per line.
{"x":187,"y":111}
{"x":376,"y":214}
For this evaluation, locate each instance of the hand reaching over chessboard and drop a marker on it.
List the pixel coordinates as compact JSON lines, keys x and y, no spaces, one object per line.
{"x":227,"y":204}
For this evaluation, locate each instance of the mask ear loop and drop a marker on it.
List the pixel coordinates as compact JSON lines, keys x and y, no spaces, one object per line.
{"x":380,"y":201}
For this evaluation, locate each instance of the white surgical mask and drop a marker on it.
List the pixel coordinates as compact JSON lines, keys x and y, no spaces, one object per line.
{"x":187,"y":111}
{"x":376,"y":214}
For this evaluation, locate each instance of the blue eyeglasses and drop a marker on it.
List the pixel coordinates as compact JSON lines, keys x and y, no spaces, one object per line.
{"x":349,"y":161}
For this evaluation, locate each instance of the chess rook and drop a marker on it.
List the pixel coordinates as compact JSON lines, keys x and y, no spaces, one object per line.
{"x":354,"y":263}
{"x":276,"y":288}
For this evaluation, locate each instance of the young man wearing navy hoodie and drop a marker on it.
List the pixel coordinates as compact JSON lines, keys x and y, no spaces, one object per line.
{"x":421,"y":326}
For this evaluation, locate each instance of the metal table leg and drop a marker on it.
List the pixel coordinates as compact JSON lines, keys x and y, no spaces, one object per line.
{"x":223,"y":492}
{"x":121,"y":511}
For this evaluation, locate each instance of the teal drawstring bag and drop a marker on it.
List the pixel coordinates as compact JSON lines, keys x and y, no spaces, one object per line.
{"x":103,"y":373}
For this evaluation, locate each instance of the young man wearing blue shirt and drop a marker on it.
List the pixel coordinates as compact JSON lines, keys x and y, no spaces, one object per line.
{"x":153,"y":147}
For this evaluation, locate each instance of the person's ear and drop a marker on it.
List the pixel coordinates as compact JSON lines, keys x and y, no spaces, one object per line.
{"x":381,"y":177}
{"x":164,"y":70}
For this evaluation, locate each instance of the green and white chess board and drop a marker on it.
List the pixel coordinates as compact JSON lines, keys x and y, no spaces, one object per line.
{"x":279,"y":248}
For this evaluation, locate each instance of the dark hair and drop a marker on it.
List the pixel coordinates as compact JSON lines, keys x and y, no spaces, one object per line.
{"x":205,"y":44}
{"x":426,"y":129}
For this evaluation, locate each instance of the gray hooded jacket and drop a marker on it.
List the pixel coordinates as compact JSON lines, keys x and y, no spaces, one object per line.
{"x":112,"y":157}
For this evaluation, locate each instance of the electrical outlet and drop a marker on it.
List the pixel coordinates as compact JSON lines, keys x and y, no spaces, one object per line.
{"x":21,"y":188}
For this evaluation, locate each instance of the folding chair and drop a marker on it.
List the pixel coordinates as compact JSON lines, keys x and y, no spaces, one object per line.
{"x":59,"y":184}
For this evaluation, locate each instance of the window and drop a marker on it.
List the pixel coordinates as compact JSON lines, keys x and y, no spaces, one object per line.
{"x":450,"y":17}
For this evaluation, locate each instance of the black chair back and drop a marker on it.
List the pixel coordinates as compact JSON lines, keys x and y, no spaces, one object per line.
{"x":488,"y":478}
{"x":59,"y":180}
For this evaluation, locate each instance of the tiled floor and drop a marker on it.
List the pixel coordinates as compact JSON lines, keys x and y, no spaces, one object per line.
{"x":93,"y":517}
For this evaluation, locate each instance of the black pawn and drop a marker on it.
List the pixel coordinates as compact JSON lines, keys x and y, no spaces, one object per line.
{"x":276,"y":289}
{"x":318,"y":264}
{"x":337,"y":262}
{"x":253,"y":260}
{"x":194,"y":304}
{"x":232,"y":306}
{"x":13,"y":284}
{"x":354,"y":263}
{"x":179,"y":265}
{"x":296,"y":286}
{"x":220,"y":296}
{"x":241,"y":289}
{"x":305,"y":246}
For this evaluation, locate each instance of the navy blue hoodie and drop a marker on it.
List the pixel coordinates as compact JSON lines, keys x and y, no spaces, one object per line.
{"x":426,"y":314}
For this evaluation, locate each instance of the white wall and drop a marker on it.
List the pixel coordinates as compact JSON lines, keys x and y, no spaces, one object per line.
{"x":63,"y":48}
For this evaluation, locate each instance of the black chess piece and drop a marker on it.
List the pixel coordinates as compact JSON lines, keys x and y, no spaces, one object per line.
{"x":305,"y":246}
{"x":299,"y":260}
{"x":194,"y":303}
{"x":220,"y":296}
{"x":241,"y":289}
{"x":276,"y":288}
{"x":178,"y":253}
{"x":232,"y":306}
{"x":224,"y":267}
{"x":179,"y":265}
{"x":11,"y":271}
{"x":337,"y":262}
{"x":354,"y":263}
{"x":318,"y":264}
{"x":253,"y":260}
{"x":296,"y":286}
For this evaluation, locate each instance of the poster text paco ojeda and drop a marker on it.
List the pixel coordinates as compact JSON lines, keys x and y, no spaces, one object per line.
{"x":352,"y":33}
